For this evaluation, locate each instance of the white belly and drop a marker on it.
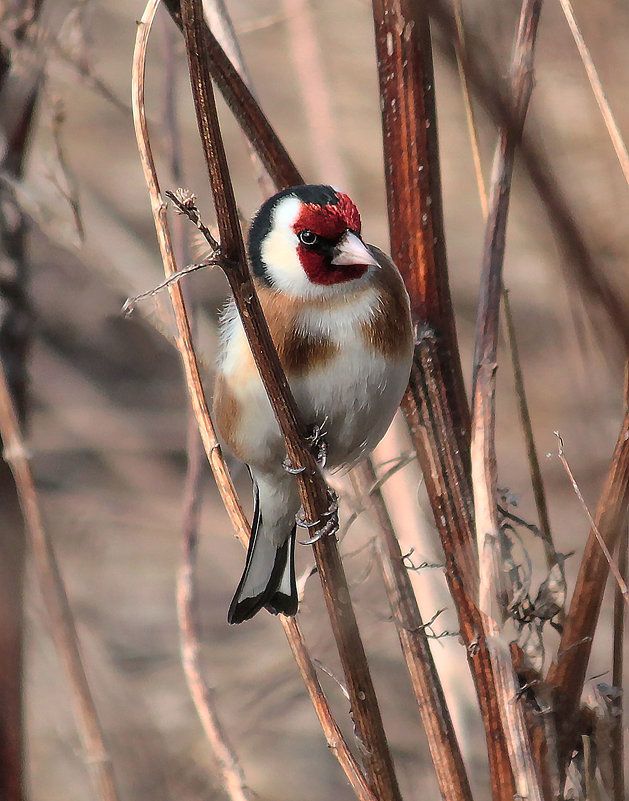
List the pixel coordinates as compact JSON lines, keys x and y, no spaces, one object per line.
{"x":353,"y":395}
{"x":353,"y":398}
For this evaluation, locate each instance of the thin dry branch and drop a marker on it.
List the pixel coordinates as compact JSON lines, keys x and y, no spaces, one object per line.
{"x":220,"y":24}
{"x":493,"y":591}
{"x":333,"y":735}
{"x":56,"y":600}
{"x":314,"y":495}
{"x":435,"y":405}
{"x":537,"y":483}
{"x":442,"y":740}
{"x":567,"y":674}
{"x":597,"y":89}
{"x":202,"y":695}
{"x":620,"y":582}
{"x":618,"y":729}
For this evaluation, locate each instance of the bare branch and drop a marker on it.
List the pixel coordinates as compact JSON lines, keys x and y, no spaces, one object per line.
{"x":442,"y":741}
{"x":333,"y":735}
{"x":618,"y":733}
{"x":567,"y":674}
{"x":599,"y":537}
{"x":130,"y":303}
{"x":56,"y":600}
{"x":597,"y":89}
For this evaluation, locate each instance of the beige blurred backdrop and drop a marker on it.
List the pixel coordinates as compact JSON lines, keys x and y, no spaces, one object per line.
{"x":109,"y":412}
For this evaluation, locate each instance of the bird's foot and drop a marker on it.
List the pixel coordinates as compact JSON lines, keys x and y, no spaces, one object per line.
{"x":318,"y":445}
{"x":328,"y":522}
{"x":290,"y":467}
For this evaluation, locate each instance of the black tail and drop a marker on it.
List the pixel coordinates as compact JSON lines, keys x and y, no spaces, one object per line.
{"x":268,"y":579}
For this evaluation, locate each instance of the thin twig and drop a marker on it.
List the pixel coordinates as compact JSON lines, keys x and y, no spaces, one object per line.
{"x":442,"y":740}
{"x":461,"y":60}
{"x":56,"y":600}
{"x":313,"y":492}
{"x":221,"y":25}
{"x":69,"y":191}
{"x":618,"y":729}
{"x":435,"y":405}
{"x":597,"y":89}
{"x":567,"y":674}
{"x":622,"y":586}
{"x":537,"y":483}
{"x":225,"y":485}
{"x":493,"y":590}
{"x":130,"y":303}
{"x":203,"y":696}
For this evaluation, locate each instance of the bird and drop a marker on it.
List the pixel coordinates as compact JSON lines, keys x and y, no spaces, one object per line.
{"x":339,"y":316}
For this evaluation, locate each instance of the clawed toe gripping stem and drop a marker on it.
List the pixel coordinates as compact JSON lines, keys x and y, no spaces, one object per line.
{"x":329,"y":521}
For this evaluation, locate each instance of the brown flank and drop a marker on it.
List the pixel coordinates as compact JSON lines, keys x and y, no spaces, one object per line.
{"x":226,"y":413}
{"x":389,"y":332}
{"x":298,"y":352}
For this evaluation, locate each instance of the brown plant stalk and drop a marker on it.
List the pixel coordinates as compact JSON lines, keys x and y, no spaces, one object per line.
{"x":537,"y":484}
{"x":567,"y":674}
{"x":435,"y":405}
{"x":314,"y":495}
{"x":442,"y":740}
{"x":56,"y":600}
{"x":618,"y":733}
{"x":223,"y":479}
{"x":582,"y":266}
{"x":493,"y":590}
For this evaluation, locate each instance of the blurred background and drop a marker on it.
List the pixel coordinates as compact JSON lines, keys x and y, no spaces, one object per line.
{"x":107,"y":406}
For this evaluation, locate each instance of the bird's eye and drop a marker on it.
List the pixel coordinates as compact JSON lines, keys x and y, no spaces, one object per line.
{"x":308,"y":238}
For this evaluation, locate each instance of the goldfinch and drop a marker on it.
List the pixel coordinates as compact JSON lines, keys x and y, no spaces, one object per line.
{"x":340,"y":319}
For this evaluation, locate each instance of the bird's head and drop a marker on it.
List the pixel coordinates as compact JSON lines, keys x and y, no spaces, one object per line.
{"x":305,"y":241}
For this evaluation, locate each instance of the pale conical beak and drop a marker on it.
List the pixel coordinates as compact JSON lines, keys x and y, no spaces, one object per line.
{"x":352,"y":251}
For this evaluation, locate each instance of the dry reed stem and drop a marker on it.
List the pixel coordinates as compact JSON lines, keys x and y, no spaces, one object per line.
{"x":493,"y":590}
{"x":56,"y":600}
{"x":442,"y":740}
{"x":435,"y":405}
{"x":567,"y":674}
{"x":620,"y":582}
{"x":230,"y":499}
{"x":617,"y":733}
{"x":313,"y":492}
{"x":232,"y":778}
{"x":537,"y":483}
{"x":597,"y":89}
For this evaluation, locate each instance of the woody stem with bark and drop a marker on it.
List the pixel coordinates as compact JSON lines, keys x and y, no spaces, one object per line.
{"x":313,"y":491}
{"x":442,"y":740}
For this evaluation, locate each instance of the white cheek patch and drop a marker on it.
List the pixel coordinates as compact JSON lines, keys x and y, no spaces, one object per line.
{"x":279,"y":249}
{"x":283,"y":267}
